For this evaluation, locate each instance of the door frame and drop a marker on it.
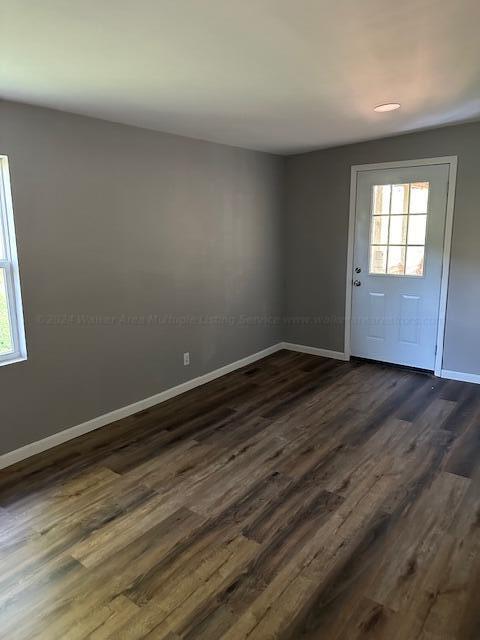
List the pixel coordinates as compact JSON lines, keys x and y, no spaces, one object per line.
{"x":452,"y":161}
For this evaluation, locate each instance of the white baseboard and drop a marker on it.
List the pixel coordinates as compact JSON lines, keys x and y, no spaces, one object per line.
{"x":315,"y":351}
{"x":32,"y":449}
{"x":462,"y":377}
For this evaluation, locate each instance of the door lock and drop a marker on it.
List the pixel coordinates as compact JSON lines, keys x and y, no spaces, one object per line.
{"x":358,"y":270}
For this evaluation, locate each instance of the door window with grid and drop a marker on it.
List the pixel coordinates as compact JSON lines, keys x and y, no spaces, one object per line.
{"x":12,"y":337}
{"x":398,"y":229}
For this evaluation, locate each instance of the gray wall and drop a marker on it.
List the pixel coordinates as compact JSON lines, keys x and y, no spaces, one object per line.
{"x":317,"y":187}
{"x":119,"y":222}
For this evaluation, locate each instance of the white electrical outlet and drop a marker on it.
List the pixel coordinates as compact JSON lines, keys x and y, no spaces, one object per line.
{"x":186,"y":358}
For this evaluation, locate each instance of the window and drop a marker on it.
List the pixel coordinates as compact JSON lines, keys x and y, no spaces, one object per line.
{"x":398,"y":229}
{"x":12,"y":337}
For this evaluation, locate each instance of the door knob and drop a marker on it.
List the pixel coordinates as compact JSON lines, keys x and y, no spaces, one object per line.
{"x":356,"y":283}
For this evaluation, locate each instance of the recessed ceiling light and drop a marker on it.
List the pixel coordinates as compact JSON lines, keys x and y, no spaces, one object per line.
{"x":389,"y":106}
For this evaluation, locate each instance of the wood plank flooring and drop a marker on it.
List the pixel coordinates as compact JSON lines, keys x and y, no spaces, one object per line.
{"x":298,"y":497}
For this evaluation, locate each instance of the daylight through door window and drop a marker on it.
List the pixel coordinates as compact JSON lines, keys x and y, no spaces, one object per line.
{"x":398,"y":229}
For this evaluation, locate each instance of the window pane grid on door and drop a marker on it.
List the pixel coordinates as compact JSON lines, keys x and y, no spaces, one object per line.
{"x":398,"y":229}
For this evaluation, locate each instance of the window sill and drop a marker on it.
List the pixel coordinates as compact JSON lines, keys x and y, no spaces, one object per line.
{"x":13,"y":360}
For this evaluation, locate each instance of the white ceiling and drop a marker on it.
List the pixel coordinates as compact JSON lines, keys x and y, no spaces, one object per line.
{"x":276,"y":75}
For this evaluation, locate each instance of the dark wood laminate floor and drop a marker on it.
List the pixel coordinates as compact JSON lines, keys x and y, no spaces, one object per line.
{"x":296,"y":498}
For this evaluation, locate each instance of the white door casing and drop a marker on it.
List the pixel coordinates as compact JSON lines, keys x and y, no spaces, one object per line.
{"x":397,"y":310}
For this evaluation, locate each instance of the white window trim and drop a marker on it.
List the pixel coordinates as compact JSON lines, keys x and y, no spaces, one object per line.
{"x":12,"y":275}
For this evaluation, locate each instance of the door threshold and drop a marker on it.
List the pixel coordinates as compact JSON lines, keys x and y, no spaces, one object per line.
{"x":394,"y":365}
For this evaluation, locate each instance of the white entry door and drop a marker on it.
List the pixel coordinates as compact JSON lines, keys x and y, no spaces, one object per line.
{"x":397,"y":264}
